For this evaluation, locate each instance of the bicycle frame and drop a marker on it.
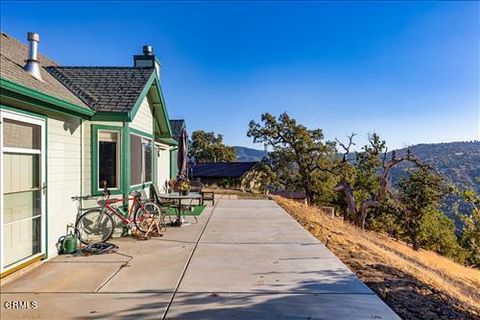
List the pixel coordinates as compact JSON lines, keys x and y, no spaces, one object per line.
{"x":126,"y":219}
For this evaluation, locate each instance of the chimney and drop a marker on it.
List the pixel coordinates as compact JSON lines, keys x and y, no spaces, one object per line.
{"x":32,"y":64}
{"x":147,"y":60}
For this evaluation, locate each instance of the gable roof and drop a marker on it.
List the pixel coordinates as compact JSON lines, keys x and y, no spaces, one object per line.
{"x":105,"y":89}
{"x":13,"y":54}
{"x":177,"y":125}
{"x":222,"y":169}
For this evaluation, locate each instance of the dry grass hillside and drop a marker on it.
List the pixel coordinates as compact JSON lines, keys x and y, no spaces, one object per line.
{"x":416,"y":284}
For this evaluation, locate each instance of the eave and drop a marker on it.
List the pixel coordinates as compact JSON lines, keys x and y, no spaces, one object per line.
{"x":15,"y":93}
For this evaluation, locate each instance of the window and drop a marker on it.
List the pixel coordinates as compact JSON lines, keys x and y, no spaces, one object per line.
{"x":140,"y":160}
{"x":108,"y":159}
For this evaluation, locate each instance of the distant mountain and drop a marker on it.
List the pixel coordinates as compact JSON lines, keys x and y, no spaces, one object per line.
{"x":245,"y":154}
{"x":458,"y":161}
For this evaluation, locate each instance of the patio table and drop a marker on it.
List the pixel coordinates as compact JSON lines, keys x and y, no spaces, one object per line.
{"x":179,"y":197}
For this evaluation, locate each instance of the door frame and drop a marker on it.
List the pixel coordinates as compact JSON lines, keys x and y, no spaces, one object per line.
{"x":42,"y":122}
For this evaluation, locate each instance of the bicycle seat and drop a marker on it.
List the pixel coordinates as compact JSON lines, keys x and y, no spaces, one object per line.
{"x":136,"y":194}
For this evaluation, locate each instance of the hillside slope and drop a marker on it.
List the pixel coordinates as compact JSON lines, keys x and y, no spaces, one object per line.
{"x":415,"y":284}
{"x":458,"y":161}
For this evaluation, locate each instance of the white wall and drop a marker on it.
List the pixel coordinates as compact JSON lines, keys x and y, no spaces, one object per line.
{"x":163,"y":166}
{"x":63,"y":175}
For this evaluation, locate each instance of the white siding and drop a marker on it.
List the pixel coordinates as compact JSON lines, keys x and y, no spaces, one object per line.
{"x":63,"y":176}
{"x":163,"y":167}
{"x":143,"y":120}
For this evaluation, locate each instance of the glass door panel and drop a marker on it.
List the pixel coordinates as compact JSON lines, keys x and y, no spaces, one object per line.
{"x":22,"y":190}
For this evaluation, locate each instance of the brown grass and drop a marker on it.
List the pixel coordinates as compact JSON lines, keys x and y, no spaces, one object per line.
{"x":416,"y":284}
{"x":240,"y":194}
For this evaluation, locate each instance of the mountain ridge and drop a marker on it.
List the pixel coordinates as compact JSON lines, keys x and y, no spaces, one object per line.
{"x":458,"y":161}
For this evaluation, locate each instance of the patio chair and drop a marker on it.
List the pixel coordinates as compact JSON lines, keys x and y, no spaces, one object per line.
{"x":197,"y":186}
{"x":167,"y":205}
{"x":208,"y":195}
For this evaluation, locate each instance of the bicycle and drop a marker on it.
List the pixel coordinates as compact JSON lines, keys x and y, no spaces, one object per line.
{"x":97,"y":225}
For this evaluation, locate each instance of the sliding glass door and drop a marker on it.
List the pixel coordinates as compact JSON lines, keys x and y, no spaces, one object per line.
{"x":22,"y":186}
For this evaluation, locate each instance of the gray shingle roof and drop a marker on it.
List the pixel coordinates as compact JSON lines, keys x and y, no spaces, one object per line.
{"x":13,"y":54}
{"x":176,"y":126}
{"x":222,"y":169}
{"x":106,"y":89}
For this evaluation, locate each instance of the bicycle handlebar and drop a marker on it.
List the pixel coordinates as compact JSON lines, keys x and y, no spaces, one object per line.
{"x":105,"y":188}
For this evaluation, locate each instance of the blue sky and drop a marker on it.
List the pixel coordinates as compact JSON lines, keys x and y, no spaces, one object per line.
{"x":406,"y":70}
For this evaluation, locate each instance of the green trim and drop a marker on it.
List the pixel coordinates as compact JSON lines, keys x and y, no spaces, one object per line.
{"x":140,"y":186}
{"x":152,"y":81}
{"x":169,"y":141}
{"x":25,"y":112}
{"x":126,"y":162}
{"x":142,"y":96}
{"x":46,"y":190}
{"x":15,"y":91}
{"x":141,"y":133}
{"x":110,"y":116}
{"x":154,"y":163}
{"x":94,"y":161}
{"x":165,"y":114}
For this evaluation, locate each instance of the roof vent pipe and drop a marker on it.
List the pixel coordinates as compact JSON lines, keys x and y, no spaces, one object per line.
{"x":32,"y":65}
{"x":148,"y":50}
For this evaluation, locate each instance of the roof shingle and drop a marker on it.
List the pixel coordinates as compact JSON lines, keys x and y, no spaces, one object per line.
{"x":222,"y":169}
{"x":13,"y":54}
{"x":106,"y":89}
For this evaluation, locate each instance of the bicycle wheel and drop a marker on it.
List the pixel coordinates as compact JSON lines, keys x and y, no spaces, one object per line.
{"x":95,"y":226}
{"x":144,"y":214}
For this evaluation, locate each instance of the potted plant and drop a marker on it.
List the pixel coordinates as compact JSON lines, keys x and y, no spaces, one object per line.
{"x":184,"y":188}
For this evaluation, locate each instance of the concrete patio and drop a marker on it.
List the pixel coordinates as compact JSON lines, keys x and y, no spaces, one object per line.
{"x":245,"y":259}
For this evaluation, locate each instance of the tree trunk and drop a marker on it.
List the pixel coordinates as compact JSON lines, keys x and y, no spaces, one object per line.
{"x":362,"y":216}
{"x":349,"y":198}
{"x":415,"y":244}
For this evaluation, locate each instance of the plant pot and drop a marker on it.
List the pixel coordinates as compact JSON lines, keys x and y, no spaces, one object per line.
{"x":185,"y":192}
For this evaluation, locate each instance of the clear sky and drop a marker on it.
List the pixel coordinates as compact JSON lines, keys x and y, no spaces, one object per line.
{"x":407,"y":70}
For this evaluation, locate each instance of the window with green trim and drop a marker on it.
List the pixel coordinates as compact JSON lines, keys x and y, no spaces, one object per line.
{"x":141,"y":154}
{"x":108,"y":159}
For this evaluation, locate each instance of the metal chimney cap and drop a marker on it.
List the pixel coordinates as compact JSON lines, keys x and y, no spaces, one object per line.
{"x":32,"y":36}
{"x":148,"y":50}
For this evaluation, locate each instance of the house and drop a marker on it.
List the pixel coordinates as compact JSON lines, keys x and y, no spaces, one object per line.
{"x":65,"y":130}
{"x":243,"y":175}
